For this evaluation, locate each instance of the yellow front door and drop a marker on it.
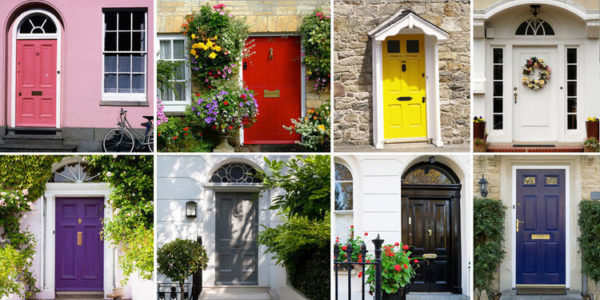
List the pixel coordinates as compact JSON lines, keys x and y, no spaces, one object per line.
{"x":404,"y":98}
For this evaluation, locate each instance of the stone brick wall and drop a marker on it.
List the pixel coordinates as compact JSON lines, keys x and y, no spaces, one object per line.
{"x":353,"y":65}
{"x":269,"y":16}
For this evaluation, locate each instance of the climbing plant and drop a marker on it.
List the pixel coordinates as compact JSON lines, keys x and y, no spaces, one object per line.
{"x":22,"y":181}
{"x":589,"y":214}
{"x":131,"y":226}
{"x":316,"y":40}
{"x":488,"y":230}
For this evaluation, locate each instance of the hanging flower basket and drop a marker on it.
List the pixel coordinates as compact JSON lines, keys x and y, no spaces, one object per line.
{"x":532,"y":67}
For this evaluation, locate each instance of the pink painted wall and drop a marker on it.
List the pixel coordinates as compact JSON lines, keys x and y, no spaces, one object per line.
{"x":81,"y":61}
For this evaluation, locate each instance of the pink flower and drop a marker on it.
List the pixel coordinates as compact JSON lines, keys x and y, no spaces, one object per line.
{"x":397,"y":267}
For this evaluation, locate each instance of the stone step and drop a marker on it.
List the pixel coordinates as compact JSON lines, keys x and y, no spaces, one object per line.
{"x":236,"y":293}
{"x":512,"y":295}
{"x":79,"y":295}
{"x":33,"y":130}
{"x":31,"y":139}
{"x":435,"y":296}
{"x":21,"y":147}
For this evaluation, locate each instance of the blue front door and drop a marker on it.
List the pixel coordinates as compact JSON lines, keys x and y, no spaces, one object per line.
{"x":540,"y":227}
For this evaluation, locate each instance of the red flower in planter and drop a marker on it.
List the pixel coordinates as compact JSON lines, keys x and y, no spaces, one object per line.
{"x":186,"y":129}
{"x":226,"y":103}
{"x":416,"y":261}
{"x":230,"y":127}
{"x":366,"y":233}
{"x":243,"y":96}
{"x":175,"y":137}
{"x":397,"y":244}
{"x":405,"y":266}
{"x":397,"y":267}
{"x":345,"y":248}
{"x":360,"y":274}
{"x":405,"y":247}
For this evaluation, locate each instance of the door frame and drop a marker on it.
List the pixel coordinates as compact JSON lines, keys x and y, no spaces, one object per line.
{"x":302,"y":74}
{"x":513,"y":235}
{"x":13,"y":75}
{"x":48,"y":224}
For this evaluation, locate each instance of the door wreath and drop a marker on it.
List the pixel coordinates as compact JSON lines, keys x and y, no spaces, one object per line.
{"x":543,"y":73}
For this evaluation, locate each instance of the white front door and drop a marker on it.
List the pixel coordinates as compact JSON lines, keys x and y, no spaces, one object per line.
{"x":535,"y":111}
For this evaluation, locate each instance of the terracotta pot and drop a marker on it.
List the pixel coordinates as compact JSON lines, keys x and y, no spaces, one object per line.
{"x":480,"y":148}
{"x":479,"y":130}
{"x":590,"y":149}
{"x":591,"y":127}
{"x":399,"y":295}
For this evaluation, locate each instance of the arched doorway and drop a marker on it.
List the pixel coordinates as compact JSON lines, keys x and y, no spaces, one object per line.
{"x":35,"y":72}
{"x":431,"y":225}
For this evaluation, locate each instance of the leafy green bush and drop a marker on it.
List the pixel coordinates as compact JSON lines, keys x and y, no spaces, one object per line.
{"x":180,"y":259}
{"x":184,"y":134}
{"x":397,"y":269}
{"x":12,"y":265}
{"x":488,"y":230}
{"x":314,"y":128}
{"x":316,"y":40}
{"x":589,"y":214}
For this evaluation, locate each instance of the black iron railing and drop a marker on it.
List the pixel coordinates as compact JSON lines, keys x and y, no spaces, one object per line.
{"x":197,"y":279}
{"x":172,"y":291}
{"x":362,"y":263}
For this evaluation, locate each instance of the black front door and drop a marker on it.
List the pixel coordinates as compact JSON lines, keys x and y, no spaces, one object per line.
{"x":431,"y":227}
{"x":237,"y":228}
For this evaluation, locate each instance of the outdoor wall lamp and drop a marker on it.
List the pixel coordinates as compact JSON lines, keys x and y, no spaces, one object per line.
{"x":535,"y":9}
{"x":483,"y":186}
{"x":190,"y":209}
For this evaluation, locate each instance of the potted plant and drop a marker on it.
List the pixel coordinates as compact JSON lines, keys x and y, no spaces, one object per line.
{"x":314,"y":128}
{"x":180,"y":259}
{"x":479,"y":145}
{"x":356,"y":242}
{"x":590,"y":145}
{"x":591,"y":128}
{"x":478,"y":128}
{"x":398,"y":269}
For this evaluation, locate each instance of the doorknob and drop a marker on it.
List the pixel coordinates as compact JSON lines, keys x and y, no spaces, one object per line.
{"x":515,"y":94}
{"x":19,"y":93}
{"x":518,"y":224}
{"x":429,"y":232}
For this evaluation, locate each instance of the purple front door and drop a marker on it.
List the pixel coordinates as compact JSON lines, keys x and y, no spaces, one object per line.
{"x":79,"y":248}
{"x":540,"y":227}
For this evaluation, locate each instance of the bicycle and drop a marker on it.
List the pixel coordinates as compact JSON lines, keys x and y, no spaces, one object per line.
{"x":124,"y":138}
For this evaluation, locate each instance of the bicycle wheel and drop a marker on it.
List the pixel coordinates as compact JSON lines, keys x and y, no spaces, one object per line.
{"x":150,"y":139}
{"x":118,"y":140}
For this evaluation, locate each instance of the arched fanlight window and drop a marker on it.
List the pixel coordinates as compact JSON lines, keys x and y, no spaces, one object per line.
{"x":75,"y":172}
{"x":534,"y":26}
{"x":235,"y":173}
{"x":37,"y":23}
{"x":344,"y":185}
{"x":428,"y":173}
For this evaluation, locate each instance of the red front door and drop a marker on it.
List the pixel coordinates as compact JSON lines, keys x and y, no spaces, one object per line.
{"x":36,"y":83}
{"x":273,"y":73}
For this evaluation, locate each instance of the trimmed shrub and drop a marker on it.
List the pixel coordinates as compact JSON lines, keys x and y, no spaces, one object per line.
{"x":488,"y":230}
{"x":589,"y":217}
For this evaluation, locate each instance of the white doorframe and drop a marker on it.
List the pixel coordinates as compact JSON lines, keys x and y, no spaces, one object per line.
{"x":513,"y":236}
{"x":57,"y":190}
{"x":13,"y":75}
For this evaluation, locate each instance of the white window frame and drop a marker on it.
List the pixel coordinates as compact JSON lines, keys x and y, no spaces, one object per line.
{"x":127,"y":97}
{"x":177,"y":106}
{"x":343,"y":211}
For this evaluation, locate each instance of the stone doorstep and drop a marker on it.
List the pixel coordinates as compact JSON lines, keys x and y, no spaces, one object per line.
{"x":512,"y":295}
{"x":435,"y":296}
{"x":559,"y":147}
{"x":236,"y":293}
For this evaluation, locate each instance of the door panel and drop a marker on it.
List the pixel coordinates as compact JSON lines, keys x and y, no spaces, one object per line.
{"x":275,"y":66}
{"x":541,"y":227}
{"x":79,"y":247}
{"x":36,"y":83}
{"x":540,"y":126}
{"x":404,"y":96}
{"x":237,"y":228}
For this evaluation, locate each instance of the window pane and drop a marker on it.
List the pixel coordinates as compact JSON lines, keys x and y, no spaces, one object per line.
{"x":521,"y":29}
{"x":498,"y":105}
{"x":180,"y":73}
{"x":124,"y":63}
{"x":110,"y":63}
{"x":138,"y":43}
{"x":110,"y":83}
{"x":49,"y":27}
{"x":138,"y":63}
{"x":497,"y":72}
{"x":110,"y":20}
{"x":427,"y":175}
{"x":124,"y":83}
{"x":498,"y":122}
{"x":572,"y":56}
{"x":166,"y":95}
{"x":497,"y":88}
{"x":124,"y":20}
{"x":393,"y":46}
{"x":178,"y":49}
{"x":412,"y":46}
{"x":572,"y":88}
{"x":572,"y":121}
{"x":572,"y":72}
{"x":572,"y":105}
{"x":547,"y":28}
{"x":138,"y":20}
{"x":124,"y":41}
{"x":498,"y":56}
{"x":343,"y":196}
{"x":165,"y":49}
{"x":110,"y":41}
{"x":26,"y":26}
{"x":342,"y":173}
{"x":137,"y":83}
{"x":180,"y":93}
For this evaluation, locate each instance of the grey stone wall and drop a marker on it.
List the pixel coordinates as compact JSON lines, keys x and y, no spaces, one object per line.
{"x":353,"y":65}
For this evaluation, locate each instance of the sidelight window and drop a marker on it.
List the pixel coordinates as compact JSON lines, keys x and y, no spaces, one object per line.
{"x":497,"y":88}
{"x":571,"y":88}
{"x":172,"y":50}
{"x":344,"y":185}
{"x":125,"y":55}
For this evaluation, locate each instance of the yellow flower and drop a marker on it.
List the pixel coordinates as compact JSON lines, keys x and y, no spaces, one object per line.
{"x":217,"y":48}
{"x":541,"y":60}
{"x":525,"y":79}
{"x":209,"y":43}
{"x":321,"y":127}
{"x":193,"y":52}
{"x":542,"y":81}
{"x":193,"y":36}
{"x":212,"y":55}
{"x":215,"y":37}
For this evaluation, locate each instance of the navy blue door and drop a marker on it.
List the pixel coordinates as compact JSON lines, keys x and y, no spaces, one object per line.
{"x":540,"y":226}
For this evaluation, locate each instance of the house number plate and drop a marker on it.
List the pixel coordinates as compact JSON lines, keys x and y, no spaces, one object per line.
{"x":540,"y":236}
{"x":272,"y":94}
{"x":430,"y":255}
{"x":36,"y":93}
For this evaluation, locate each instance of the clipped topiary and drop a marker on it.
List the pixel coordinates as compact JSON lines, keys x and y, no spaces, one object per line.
{"x":180,"y":259}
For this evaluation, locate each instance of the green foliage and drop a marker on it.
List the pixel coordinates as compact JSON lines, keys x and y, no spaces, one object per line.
{"x":589,"y":214}
{"x":488,"y":230}
{"x":216,"y":43}
{"x":132,"y":225}
{"x":12,"y":264}
{"x":165,"y":72}
{"x":180,"y":259}
{"x":305,"y":182}
{"x":398,"y":268}
{"x":22,"y":181}
{"x":356,"y":242}
{"x":314,"y":128}
{"x":182,"y":134}
{"x":302,"y":247}
{"x":316,"y":40}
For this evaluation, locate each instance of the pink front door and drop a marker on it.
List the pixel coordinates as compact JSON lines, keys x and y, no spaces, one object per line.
{"x":36,"y":83}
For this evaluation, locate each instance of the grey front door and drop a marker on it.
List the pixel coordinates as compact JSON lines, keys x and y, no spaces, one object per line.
{"x":237,"y":228}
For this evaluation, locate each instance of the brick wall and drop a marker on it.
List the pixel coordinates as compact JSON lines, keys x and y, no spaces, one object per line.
{"x":270,"y":16}
{"x":353,"y":65}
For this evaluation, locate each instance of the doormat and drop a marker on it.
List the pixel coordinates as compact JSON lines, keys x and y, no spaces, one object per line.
{"x":533,"y":146}
{"x":542,"y":290}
